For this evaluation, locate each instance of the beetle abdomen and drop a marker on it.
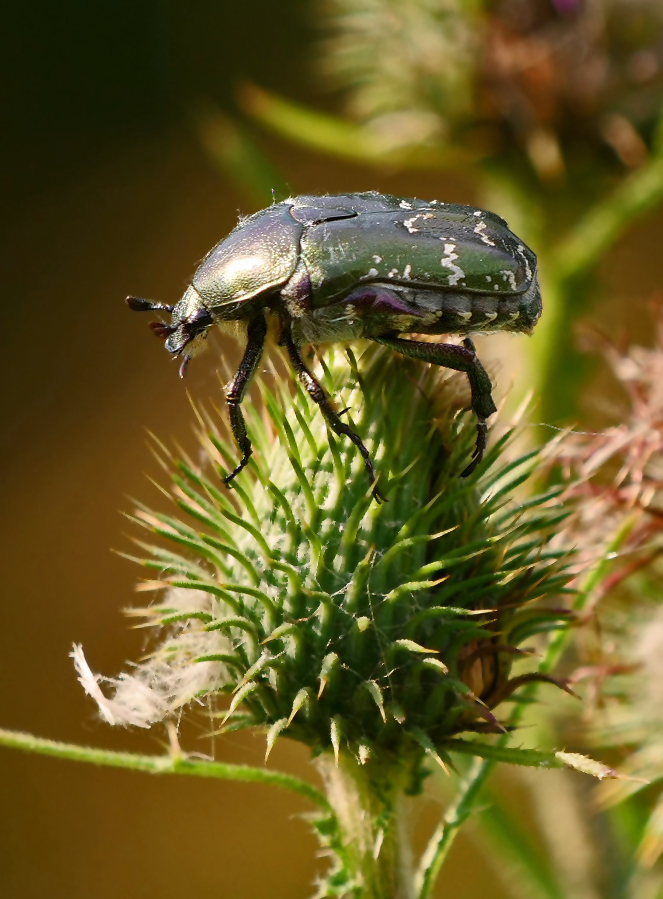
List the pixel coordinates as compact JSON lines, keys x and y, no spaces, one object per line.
{"x":468,"y":313}
{"x":380,"y":309}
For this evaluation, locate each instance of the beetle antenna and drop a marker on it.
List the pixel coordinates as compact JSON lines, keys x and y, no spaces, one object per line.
{"x":161,"y":330}
{"x":138,"y":305}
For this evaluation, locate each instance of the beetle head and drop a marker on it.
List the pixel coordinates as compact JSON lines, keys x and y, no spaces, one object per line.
{"x":188,"y":327}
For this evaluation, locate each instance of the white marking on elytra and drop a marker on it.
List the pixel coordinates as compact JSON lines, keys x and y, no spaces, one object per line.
{"x":510,"y":277}
{"x":371,"y":273}
{"x":520,"y":249}
{"x":512,"y":317}
{"x":480,"y":228}
{"x":490,"y":316}
{"x":489,"y":278}
{"x":496,"y":286}
{"x":404,"y":205}
{"x":377,"y":258}
{"x":465,"y":316}
{"x":449,"y":261}
{"x":477,"y":212}
{"x":407,"y":272}
{"x":393,"y":273}
{"x":409,"y":223}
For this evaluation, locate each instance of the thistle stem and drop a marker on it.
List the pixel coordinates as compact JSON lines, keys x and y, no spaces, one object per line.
{"x":369,"y":804}
{"x":161,"y":764}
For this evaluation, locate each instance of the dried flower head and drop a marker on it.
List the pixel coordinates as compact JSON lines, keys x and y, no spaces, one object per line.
{"x":614,"y":478}
{"x":547,"y":77}
{"x":615,"y":499}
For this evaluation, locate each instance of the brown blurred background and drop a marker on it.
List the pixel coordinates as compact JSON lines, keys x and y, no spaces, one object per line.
{"x":105,"y":192}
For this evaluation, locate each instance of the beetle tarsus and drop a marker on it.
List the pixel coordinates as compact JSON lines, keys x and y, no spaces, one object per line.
{"x":229,"y":478}
{"x":235,"y":390}
{"x":241,"y":438}
{"x":479,"y":449}
{"x":319,"y":396}
{"x":459,"y":358}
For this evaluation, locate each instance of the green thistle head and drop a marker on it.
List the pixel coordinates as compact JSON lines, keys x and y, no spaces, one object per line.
{"x":379,"y":630}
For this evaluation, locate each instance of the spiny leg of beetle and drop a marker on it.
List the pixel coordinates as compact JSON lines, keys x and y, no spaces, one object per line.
{"x":235,"y":390}
{"x":319,"y":396}
{"x":459,"y":358}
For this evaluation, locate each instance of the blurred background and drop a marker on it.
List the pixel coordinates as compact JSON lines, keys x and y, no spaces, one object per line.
{"x":133,"y":135}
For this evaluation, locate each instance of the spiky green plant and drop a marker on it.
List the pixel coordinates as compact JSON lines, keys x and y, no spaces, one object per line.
{"x":376,"y":634}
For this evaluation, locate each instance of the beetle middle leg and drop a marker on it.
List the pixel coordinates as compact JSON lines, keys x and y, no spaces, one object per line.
{"x":332,"y":418}
{"x":459,"y":358}
{"x":234,"y":391}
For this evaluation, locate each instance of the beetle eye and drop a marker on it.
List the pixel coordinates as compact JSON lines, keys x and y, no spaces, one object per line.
{"x":200,"y":320}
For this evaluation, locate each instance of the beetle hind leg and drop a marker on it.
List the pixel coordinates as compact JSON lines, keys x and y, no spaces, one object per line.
{"x":460,"y":358}
{"x":332,"y":418}
{"x":236,"y":389}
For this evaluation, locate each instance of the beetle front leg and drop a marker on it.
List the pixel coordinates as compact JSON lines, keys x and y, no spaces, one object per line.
{"x":458,"y":358}
{"x":234,"y":391}
{"x":319,"y":396}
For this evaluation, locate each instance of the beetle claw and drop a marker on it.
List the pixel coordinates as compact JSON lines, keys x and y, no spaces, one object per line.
{"x":479,"y":449}
{"x":233,"y":474}
{"x":378,"y":495}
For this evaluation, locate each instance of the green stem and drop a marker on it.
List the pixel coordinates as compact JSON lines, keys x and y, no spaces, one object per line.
{"x":457,"y":813}
{"x":592,"y":236}
{"x":166,"y":764}
{"x":368,"y":801}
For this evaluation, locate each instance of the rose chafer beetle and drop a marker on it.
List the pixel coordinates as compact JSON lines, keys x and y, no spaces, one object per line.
{"x":358,"y":266}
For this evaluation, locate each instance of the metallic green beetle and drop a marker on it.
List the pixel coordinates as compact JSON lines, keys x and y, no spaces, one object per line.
{"x":353,"y":266}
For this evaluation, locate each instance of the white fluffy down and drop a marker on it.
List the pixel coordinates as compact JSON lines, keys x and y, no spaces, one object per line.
{"x":167,"y":680}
